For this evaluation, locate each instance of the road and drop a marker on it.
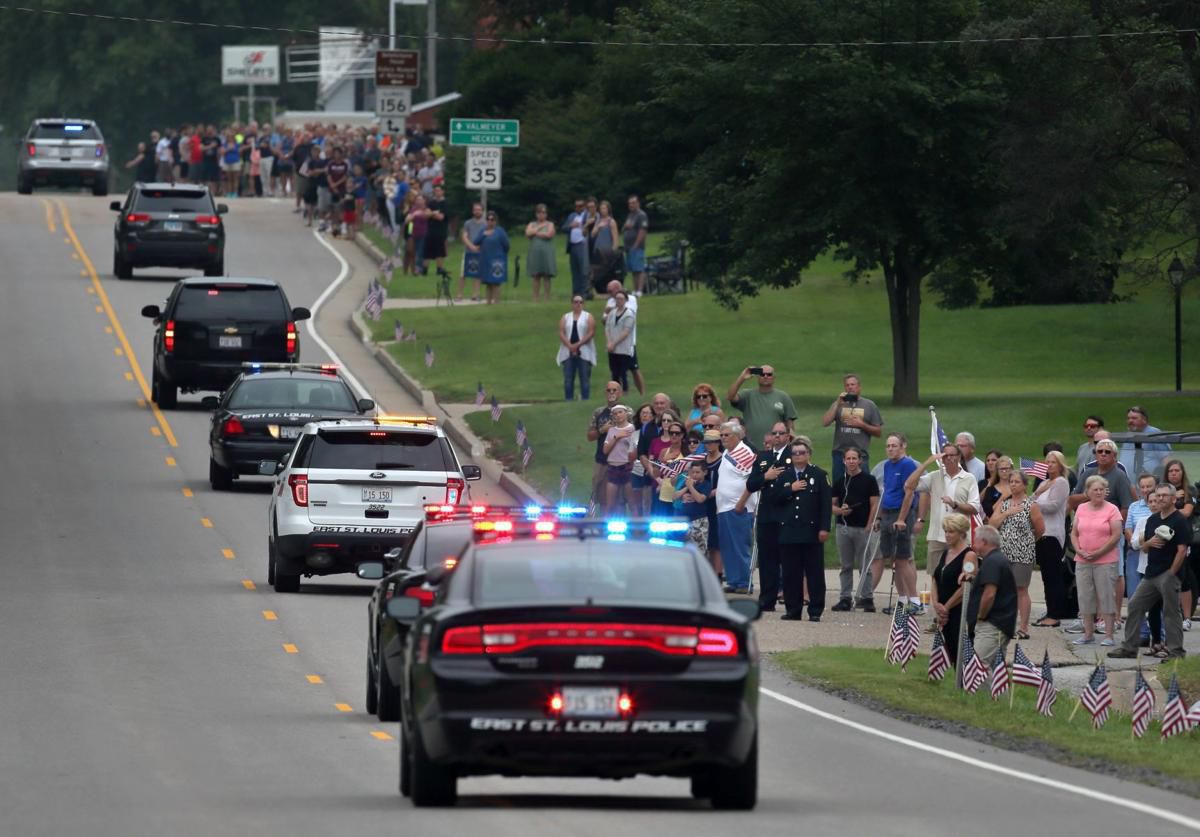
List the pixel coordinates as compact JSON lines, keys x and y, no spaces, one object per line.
{"x":151,"y":682}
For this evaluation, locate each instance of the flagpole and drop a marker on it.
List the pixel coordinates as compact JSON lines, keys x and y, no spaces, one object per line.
{"x":962,"y":629}
{"x":1012,"y":689}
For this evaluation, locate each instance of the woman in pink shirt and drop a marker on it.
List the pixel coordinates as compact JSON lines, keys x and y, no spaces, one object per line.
{"x":1095,"y":535}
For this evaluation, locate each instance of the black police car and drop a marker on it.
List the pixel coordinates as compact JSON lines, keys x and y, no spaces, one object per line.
{"x":166,"y":225}
{"x":555,"y":648}
{"x":262,"y":413}
{"x":208,"y":328}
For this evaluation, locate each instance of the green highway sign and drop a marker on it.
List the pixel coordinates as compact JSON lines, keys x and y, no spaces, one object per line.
{"x":505,"y":133}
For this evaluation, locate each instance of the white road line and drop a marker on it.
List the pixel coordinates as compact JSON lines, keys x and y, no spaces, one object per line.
{"x":1176,"y":819}
{"x":311,"y":325}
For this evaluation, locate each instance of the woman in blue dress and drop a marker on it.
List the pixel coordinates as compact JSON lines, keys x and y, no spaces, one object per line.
{"x":493,"y":245}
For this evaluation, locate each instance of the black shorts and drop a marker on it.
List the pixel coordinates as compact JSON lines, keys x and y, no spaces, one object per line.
{"x":633,"y":361}
{"x":618,"y":474}
{"x":435,"y":248}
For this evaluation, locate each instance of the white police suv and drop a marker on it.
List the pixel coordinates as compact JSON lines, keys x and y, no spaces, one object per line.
{"x":354,"y":488}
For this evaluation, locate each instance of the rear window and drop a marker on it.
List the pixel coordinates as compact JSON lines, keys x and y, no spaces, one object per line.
{"x":65,"y":131}
{"x":379,"y":450}
{"x":570,"y":571}
{"x":230,"y":302}
{"x":330,"y":394}
{"x":173,"y":200}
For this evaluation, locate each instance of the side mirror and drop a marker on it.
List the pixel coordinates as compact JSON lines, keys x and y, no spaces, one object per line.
{"x":269,"y":467}
{"x":151,"y":311}
{"x":209,"y":402}
{"x":472,"y":472}
{"x":222,"y":209}
{"x":394,"y":553}
{"x":403,"y":608}
{"x":300,"y":313}
{"x":365,"y":405}
{"x":370,"y":570}
{"x":750,"y":608}
{"x":115,"y":206}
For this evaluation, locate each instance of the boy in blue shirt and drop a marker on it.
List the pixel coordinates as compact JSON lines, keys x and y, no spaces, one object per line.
{"x":692,"y":496}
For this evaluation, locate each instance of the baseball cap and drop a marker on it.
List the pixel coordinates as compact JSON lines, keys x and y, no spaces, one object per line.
{"x":712,"y":435}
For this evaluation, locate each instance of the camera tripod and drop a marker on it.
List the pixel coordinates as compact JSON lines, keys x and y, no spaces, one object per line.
{"x":443,"y":287}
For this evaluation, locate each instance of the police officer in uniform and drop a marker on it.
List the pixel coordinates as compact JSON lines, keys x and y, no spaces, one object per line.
{"x":804,"y":495}
{"x":768,"y":468}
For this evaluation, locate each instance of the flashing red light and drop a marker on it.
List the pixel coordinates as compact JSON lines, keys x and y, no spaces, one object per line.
{"x":291,"y":338}
{"x":169,"y":336}
{"x":213,"y":292}
{"x":450,"y":563}
{"x":32,"y":149}
{"x":493,"y":525}
{"x":479,"y":509}
{"x":556,"y":703}
{"x":299,"y":484}
{"x":377,"y":433}
{"x":138,"y":217}
{"x":545,"y":526}
{"x":454,"y":489}
{"x":326,"y":546}
{"x":625,"y":704}
{"x":208,"y":220}
{"x":232,"y":426}
{"x":329,"y":368}
{"x":425,"y":597}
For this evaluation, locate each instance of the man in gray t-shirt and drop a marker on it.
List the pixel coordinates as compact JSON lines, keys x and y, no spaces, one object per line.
{"x":471,"y":265}
{"x":855,"y":421}
{"x":1120,"y":490}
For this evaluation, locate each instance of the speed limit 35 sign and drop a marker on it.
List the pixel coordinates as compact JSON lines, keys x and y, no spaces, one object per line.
{"x":483,"y":167}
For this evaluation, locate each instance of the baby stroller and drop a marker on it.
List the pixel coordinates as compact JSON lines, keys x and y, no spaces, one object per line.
{"x":607,"y":266}
{"x":667,"y":274}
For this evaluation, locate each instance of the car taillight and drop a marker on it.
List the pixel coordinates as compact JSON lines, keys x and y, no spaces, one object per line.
{"x":208,"y":220}
{"x":138,"y":217}
{"x":169,"y":336}
{"x":299,"y":484}
{"x":100,"y":150}
{"x":32,"y":149}
{"x":291,"y":338}
{"x":467,"y":640}
{"x":454,"y":487}
{"x":232,"y":426}
{"x":425,"y":597}
{"x":716,"y":642}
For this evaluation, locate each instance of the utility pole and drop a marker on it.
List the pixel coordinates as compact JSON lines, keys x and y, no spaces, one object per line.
{"x":431,"y":63}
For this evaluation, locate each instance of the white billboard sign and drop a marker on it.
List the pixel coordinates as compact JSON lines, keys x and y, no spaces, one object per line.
{"x":245,"y":65}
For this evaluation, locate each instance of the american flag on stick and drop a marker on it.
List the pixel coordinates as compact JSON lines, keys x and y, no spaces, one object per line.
{"x":564,"y":480}
{"x":428,"y":356}
{"x":676,"y":467}
{"x":1175,"y":715}
{"x":522,"y":436}
{"x":1047,"y":694}
{"x":373,"y":307}
{"x":1033,"y":469}
{"x":1024,"y":671}
{"x":399,"y":331}
{"x":903,"y":640}
{"x":495,"y":409}
{"x":1193,"y":715}
{"x":973,"y":671}
{"x":1001,"y":682}
{"x":939,"y":658}
{"x":526,"y":455}
{"x":480,"y":395}
{"x":937,"y":436}
{"x":1097,"y":697}
{"x":742,"y":458}
{"x":1143,"y":705}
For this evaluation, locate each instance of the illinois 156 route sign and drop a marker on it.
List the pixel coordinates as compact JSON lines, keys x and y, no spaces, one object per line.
{"x":504,"y":133}
{"x":483,"y":167}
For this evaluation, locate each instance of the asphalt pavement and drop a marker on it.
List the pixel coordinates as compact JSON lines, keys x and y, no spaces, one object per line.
{"x":152,"y":683}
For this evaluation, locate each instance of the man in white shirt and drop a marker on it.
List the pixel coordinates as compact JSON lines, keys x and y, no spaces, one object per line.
{"x":165,"y":159}
{"x":735,"y":507}
{"x":948,"y":489}
{"x":632,"y":304}
{"x":577,"y":249}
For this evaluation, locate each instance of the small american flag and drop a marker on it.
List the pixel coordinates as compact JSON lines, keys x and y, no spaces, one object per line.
{"x":1024,"y":672}
{"x":495,"y":409}
{"x":1000,"y":679}
{"x":939,"y":658}
{"x":899,"y":619}
{"x":1193,"y":715}
{"x":676,"y":466}
{"x":522,"y":436}
{"x":1097,"y":697}
{"x":973,"y":672}
{"x":904,"y":639}
{"x":373,"y":307}
{"x":742,"y":458}
{"x":526,"y":455}
{"x":1143,"y":705}
{"x":428,"y":356}
{"x":563,"y":481}
{"x":937,"y":436}
{"x":1047,"y":694}
{"x":399,"y":331}
{"x":1033,"y":469}
{"x":480,"y":395}
{"x":1175,"y":715}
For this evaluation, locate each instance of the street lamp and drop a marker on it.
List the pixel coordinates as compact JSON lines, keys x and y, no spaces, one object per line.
{"x":1176,"y":273}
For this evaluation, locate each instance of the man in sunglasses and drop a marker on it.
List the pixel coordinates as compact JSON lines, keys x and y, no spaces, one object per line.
{"x":762,"y":406}
{"x":1087,"y":451}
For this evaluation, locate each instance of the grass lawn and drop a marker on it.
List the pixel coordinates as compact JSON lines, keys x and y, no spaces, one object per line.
{"x":862,"y":671}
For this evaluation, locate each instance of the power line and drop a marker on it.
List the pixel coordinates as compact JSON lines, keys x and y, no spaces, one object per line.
{"x":340,"y":35}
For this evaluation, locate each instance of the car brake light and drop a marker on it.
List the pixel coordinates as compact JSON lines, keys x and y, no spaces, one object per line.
{"x":291,"y":338}
{"x":138,"y":217}
{"x":625,"y":704}
{"x":32,"y":149}
{"x":100,"y":150}
{"x":232,"y":426}
{"x":425,"y":597}
{"x":208,"y":220}
{"x":169,"y":336}
{"x":454,"y":487}
{"x":468,"y":640}
{"x":299,"y":484}
{"x":556,"y":703}
{"x":715,"y":642}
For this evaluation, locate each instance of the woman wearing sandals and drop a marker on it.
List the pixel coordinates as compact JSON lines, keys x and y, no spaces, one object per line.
{"x":1095,"y":536}
{"x":1051,"y":498}
{"x":1020,"y":523}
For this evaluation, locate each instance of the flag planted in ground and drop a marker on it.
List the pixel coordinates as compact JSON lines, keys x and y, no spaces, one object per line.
{"x":1143,"y":705}
{"x":1000,"y":679}
{"x":480,"y":395}
{"x":1097,"y":697}
{"x":373,"y":307}
{"x":495,"y":409}
{"x":399,"y":331}
{"x":522,"y":436}
{"x":1193,"y":715}
{"x":972,"y":670}
{"x":1024,"y":671}
{"x":939,"y":657}
{"x":1030,"y":468}
{"x":899,"y":624}
{"x":428,"y":356}
{"x":1047,"y":694}
{"x":526,"y":454}
{"x":1175,"y":714}
{"x":564,"y":480}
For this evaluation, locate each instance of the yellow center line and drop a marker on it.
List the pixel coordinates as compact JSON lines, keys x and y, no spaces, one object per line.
{"x":248,"y":584}
{"x":228,"y":553}
{"x":170,"y":462}
{"x":206,"y":523}
{"x":270,"y":616}
{"x":129,"y":376}
{"x":85,"y":273}
{"x":49,"y":215}
{"x":117,"y":351}
{"x":141,"y":402}
{"x":154,"y":431}
{"x":315,"y":679}
{"x":187,"y":492}
{"x":381,"y":735}
{"x":291,"y":649}
{"x":108,"y":329}
{"x":343,"y":707}
{"x":116,"y":324}
{"x":99,"y":309}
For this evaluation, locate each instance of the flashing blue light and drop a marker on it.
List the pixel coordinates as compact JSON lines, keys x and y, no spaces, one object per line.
{"x":665,"y":542}
{"x":255,"y":368}
{"x":72,"y":127}
{"x":570,"y":511}
{"x":533,"y":510}
{"x":616,"y":537}
{"x":617,"y":527}
{"x":662,"y":527}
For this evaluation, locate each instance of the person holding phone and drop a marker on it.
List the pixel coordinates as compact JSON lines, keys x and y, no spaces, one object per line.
{"x":855,"y":421}
{"x":763,"y":406}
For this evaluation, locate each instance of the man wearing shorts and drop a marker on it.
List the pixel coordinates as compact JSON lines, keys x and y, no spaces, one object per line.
{"x":435,"y":234}
{"x":895,"y":537}
{"x":633,"y":236}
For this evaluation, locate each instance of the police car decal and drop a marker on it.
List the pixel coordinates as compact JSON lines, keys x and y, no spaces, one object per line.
{"x":365,"y":530}
{"x":552,"y":725}
{"x":278,"y":415}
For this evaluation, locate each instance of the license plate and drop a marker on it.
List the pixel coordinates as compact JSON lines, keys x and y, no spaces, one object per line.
{"x":292,"y":432}
{"x":377,"y":495}
{"x":583,"y":702}
{"x":173,"y":226}
{"x":226,"y":341}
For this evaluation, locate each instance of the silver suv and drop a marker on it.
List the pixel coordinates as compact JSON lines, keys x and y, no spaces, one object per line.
{"x":63,"y":152}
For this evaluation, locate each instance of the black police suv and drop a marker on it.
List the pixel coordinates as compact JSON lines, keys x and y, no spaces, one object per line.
{"x":262,"y":413}
{"x":565,"y":649}
{"x":208,"y":328}
{"x":165,"y":225}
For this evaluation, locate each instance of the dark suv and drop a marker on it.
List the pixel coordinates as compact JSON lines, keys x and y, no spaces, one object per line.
{"x":63,"y":152}
{"x":162,"y":225}
{"x":209,"y":327}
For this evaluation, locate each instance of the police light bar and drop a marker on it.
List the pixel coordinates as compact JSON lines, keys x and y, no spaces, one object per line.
{"x":388,"y":419}
{"x":439,"y":512}
{"x":327,"y":368}
{"x":659,"y":531}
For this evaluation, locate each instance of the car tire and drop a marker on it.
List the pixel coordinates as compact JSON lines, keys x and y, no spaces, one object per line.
{"x":372,"y":694}
{"x":387,"y":694}
{"x":165,"y":395}
{"x":702,"y":785}
{"x":431,"y":784}
{"x":121,"y":268}
{"x":286,"y":583}
{"x":270,"y":561}
{"x":219,"y":477}
{"x":100,"y":188}
{"x":217,"y":268}
{"x":736,"y":788}
{"x":405,"y":765}
{"x":24,"y":186}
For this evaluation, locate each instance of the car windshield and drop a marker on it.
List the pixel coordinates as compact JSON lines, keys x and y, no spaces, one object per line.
{"x":65,"y":131}
{"x":294,"y":393}
{"x":582,"y":571}
{"x":231,"y":302}
{"x":173,"y":200}
{"x":379,"y":450}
